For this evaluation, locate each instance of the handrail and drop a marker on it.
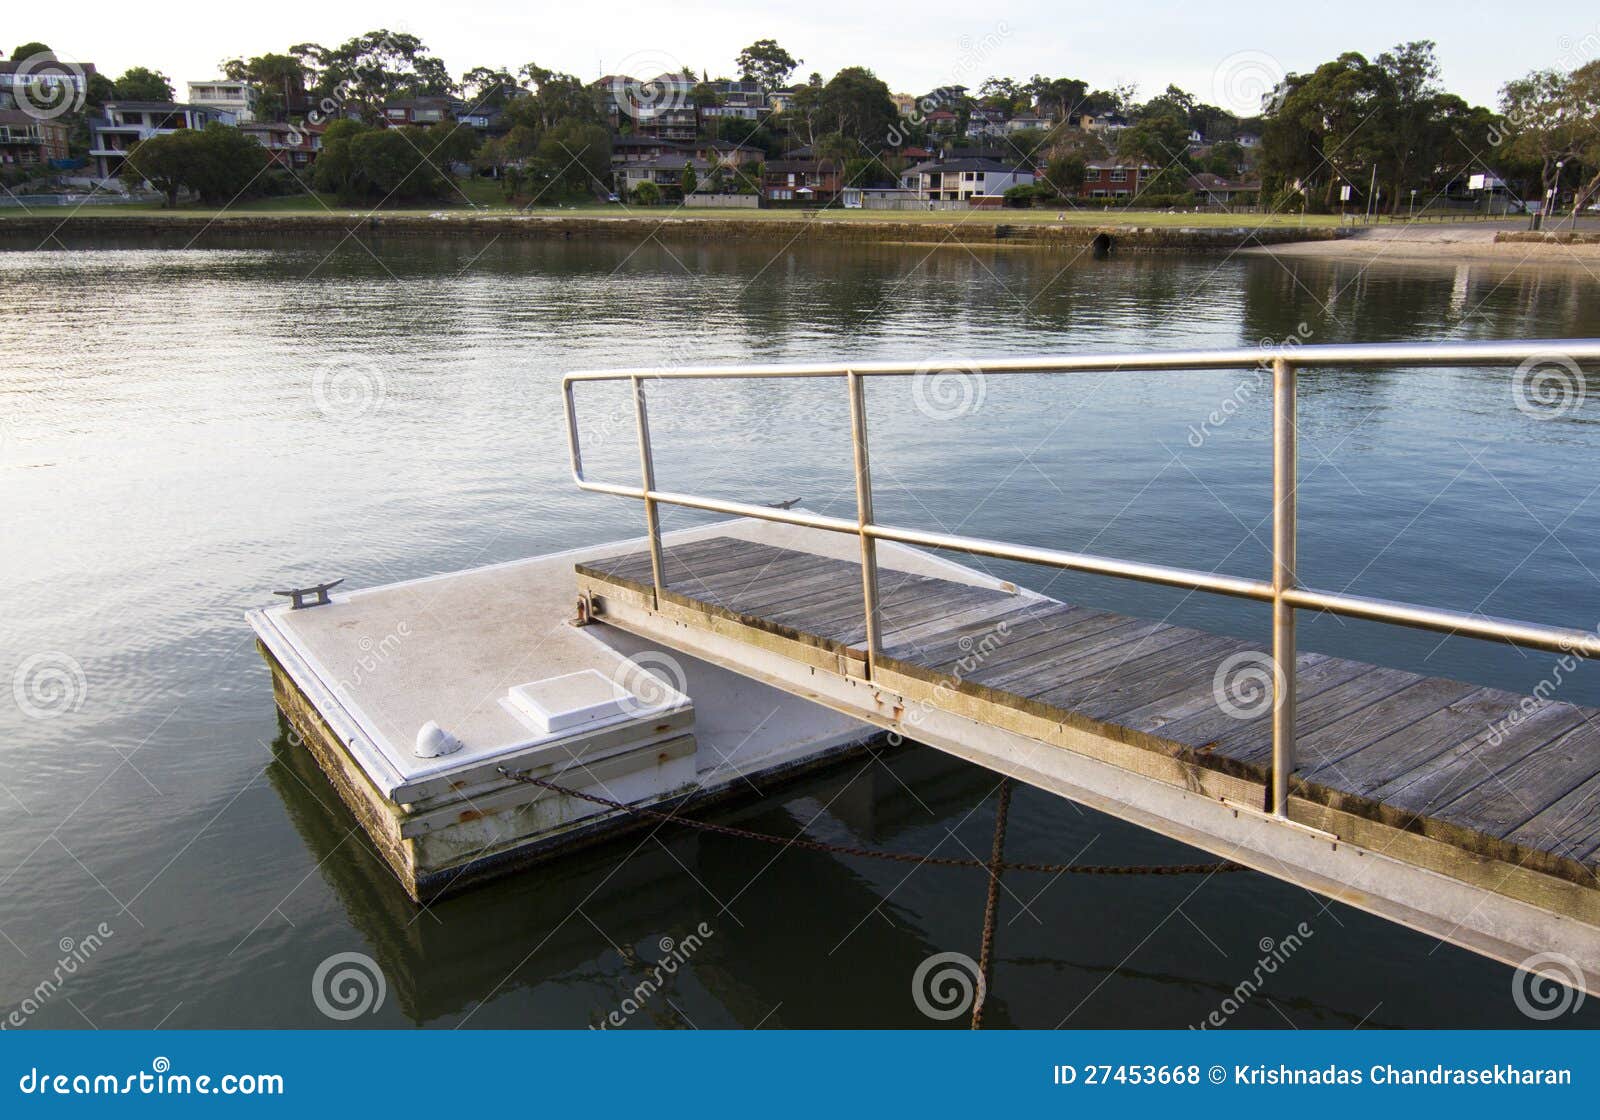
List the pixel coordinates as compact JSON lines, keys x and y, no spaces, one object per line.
{"x":1282,"y":589}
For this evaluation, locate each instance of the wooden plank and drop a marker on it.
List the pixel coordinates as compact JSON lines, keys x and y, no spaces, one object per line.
{"x":1319,"y":750}
{"x":1199,"y":697}
{"x":1522,"y":790}
{"x":987,"y":618}
{"x":1251,"y":743}
{"x":1042,"y":631}
{"x":1476,"y":759}
{"x":1402,"y":752}
{"x":1059,"y":658}
{"x":1178,"y":669}
{"x":1419,"y":754}
{"x":1068,"y":684}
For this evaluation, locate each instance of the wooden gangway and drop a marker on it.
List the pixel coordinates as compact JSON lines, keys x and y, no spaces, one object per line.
{"x":1468,"y":812}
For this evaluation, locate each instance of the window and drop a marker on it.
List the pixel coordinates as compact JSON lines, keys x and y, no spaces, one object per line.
{"x":969,"y":176}
{"x":1119,"y":175}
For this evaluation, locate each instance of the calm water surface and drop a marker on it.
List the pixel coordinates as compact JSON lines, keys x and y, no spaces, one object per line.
{"x":181,"y":431}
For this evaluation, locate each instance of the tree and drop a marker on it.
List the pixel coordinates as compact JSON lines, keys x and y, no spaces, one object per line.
{"x":1060,"y":97}
{"x":139,"y":83}
{"x":556,"y":97}
{"x":28,"y":50}
{"x":489,"y":87}
{"x":688,"y":182}
{"x":574,"y":158}
{"x":767,"y":64}
{"x":647,"y":194}
{"x":1550,"y":118}
{"x":376,"y":67}
{"x":281,"y":82}
{"x":856,"y":103}
{"x":1065,"y":173}
{"x":218,"y":163}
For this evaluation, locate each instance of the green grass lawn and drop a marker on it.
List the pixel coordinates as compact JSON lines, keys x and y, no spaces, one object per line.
{"x":485,"y":196}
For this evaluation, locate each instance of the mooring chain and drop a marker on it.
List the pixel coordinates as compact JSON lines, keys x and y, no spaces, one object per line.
{"x":991,"y":906}
{"x":875,"y":853}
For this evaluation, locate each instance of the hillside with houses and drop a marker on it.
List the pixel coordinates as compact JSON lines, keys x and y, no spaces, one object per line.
{"x":380,"y":120}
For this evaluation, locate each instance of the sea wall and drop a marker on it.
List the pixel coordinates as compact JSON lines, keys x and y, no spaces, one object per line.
{"x":990,"y":229}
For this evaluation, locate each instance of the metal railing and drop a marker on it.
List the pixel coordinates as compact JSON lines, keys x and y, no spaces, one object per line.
{"x":1283,"y":589}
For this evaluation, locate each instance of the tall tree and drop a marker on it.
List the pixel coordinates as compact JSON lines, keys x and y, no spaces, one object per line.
{"x":767,"y":64}
{"x":376,"y":67}
{"x":281,"y":82}
{"x":140,"y":83}
{"x":856,"y":103}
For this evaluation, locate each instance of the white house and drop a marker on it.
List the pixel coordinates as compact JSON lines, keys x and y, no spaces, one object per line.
{"x":228,"y":96}
{"x":128,"y":122}
{"x":961,"y":179}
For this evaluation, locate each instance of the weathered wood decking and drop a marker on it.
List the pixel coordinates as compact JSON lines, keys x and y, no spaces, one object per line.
{"x":1419,"y":755}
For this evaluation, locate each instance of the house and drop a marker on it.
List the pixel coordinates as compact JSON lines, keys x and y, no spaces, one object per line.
{"x":293,"y":147}
{"x":801,"y":180}
{"x":904,"y":103}
{"x":1247,"y":140}
{"x":941,"y":120}
{"x":1214,"y":190}
{"x":420,"y":111}
{"x":1108,"y":123}
{"x":1029,"y":123}
{"x":959,"y":180}
{"x":876,"y":198}
{"x":637,"y":149}
{"x":736,"y":100}
{"x":27,"y":140}
{"x":238,"y":98}
{"x":127,"y":122}
{"x":1114,"y":178}
{"x":44,"y":82}
{"x":665,"y":171}
{"x":782,"y":100}
{"x":726,"y":153}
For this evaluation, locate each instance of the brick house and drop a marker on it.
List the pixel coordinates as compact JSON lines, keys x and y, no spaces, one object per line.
{"x":801,"y":180}
{"x":27,"y":141}
{"x":1115,"y":178}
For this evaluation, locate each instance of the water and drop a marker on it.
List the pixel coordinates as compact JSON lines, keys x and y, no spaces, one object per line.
{"x":183,"y":431}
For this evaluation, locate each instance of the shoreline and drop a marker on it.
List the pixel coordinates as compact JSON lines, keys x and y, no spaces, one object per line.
{"x":1099,"y":239}
{"x":1447,"y":246}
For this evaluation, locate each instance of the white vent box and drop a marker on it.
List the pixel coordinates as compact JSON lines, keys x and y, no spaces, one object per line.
{"x":576,"y":700}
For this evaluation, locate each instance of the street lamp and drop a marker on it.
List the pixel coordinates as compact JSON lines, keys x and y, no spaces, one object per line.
{"x":1413,"y":202}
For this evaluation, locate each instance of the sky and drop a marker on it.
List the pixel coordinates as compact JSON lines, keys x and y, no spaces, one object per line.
{"x":1219,"y":52}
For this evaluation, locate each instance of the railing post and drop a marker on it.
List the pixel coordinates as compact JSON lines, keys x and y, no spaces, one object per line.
{"x":1283,"y":579}
{"x":647,"y":473}
{"x":869,"y":546}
